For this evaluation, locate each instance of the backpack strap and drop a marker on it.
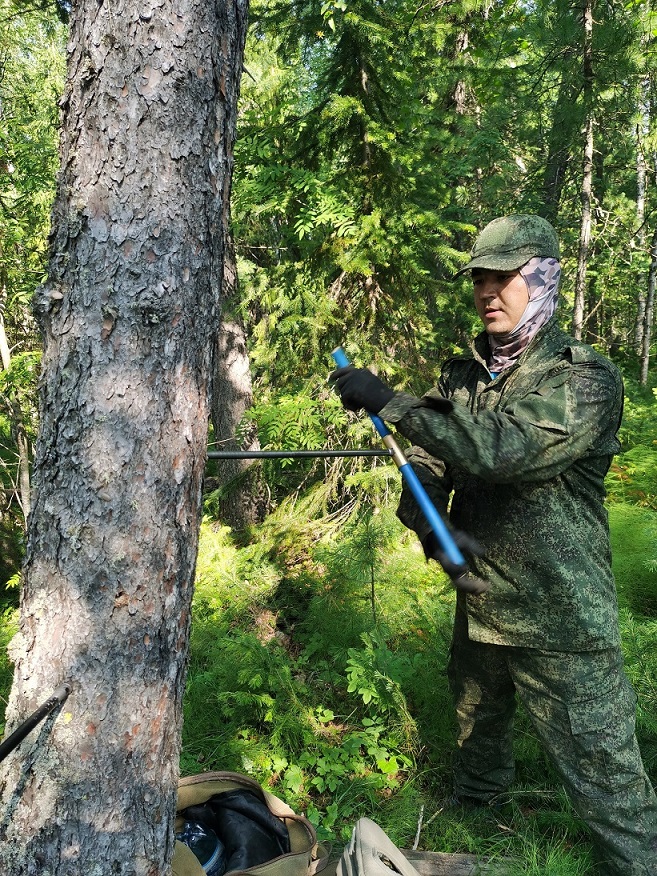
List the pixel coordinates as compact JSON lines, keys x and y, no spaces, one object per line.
{"x":321,"y":854}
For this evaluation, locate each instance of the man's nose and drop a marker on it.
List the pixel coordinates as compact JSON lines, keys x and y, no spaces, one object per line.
{"x":489,"y":287}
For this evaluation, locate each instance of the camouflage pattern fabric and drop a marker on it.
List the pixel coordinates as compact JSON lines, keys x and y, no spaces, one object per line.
{"x":582,"y":708}
{"x":524,"y":458}
{"x":525,"y":455}
{"x":508,"y":242}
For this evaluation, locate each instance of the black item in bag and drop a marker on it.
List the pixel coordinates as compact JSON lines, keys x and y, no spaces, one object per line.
{"x":250,"y":833}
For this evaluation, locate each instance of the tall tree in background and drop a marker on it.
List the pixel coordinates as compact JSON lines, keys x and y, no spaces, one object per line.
{"x":242,"y":491}
{"x":586,"y":189}
{"x":646,"y":173}
{"x":11,"y":407}
{"x":129,"y":315}
{"x":642,"y":158}
{"x":646,"y":307}
{"x":649,"y":312}
{"x":31,"y":79}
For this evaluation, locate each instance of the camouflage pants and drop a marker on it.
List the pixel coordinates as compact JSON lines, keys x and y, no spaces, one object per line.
{"x":583,"y":710}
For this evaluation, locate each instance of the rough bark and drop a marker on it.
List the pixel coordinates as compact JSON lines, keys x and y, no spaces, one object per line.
{"x":129,"y":316}
{"x":586,"y":191}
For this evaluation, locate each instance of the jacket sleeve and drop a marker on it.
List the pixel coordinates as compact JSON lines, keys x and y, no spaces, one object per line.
{"x":535,"y":437}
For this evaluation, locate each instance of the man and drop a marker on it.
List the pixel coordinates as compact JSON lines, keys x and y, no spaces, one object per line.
{"x":520,"y":436}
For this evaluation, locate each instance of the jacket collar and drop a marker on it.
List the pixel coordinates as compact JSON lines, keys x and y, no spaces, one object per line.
{"x":547,"y":341}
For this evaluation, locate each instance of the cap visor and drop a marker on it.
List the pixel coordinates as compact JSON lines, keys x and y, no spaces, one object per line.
{"x":496,"y":262}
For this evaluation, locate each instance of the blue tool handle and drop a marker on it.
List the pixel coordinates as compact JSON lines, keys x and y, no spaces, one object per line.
{"x":420,"y":495}
{"x":435,"y":521}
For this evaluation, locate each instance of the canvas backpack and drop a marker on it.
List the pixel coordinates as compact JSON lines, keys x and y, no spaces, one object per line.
{"x":200,"y":796}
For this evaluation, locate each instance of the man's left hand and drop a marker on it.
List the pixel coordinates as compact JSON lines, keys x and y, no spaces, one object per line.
{"x":359,"y":388}
{"x":461,"y":576}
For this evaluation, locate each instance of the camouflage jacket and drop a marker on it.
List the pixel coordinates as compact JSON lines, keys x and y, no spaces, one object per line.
{"x":523,"y":457}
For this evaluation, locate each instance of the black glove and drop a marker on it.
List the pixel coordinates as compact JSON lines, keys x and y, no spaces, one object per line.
{"x":359,"y":388}
{"x":461,"y":577}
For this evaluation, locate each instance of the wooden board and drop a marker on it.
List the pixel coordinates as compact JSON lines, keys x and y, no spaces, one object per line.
{"x":443,"y":864}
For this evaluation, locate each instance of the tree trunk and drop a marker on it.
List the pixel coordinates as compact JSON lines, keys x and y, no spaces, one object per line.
{"x":586,"y":192}
{"x":459,"y":94}
{"x":642,"y":132}
{"x":244,"y":499}
{"x":649,"y":312}
{"x":559,"y":147}
{"x":129,"y":315}
{"x":5,"y":352}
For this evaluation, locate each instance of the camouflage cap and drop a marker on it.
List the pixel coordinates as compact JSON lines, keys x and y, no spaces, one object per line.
{"x":509,"y":242}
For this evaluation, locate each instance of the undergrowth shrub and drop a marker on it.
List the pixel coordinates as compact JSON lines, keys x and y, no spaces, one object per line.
{"x":634,"y":549}
{"x":638,"y":637}
{"x":318,"y":665}
{"x":633,"y":477}
{"x":639,"y":424}
{"x":633,"y":534}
